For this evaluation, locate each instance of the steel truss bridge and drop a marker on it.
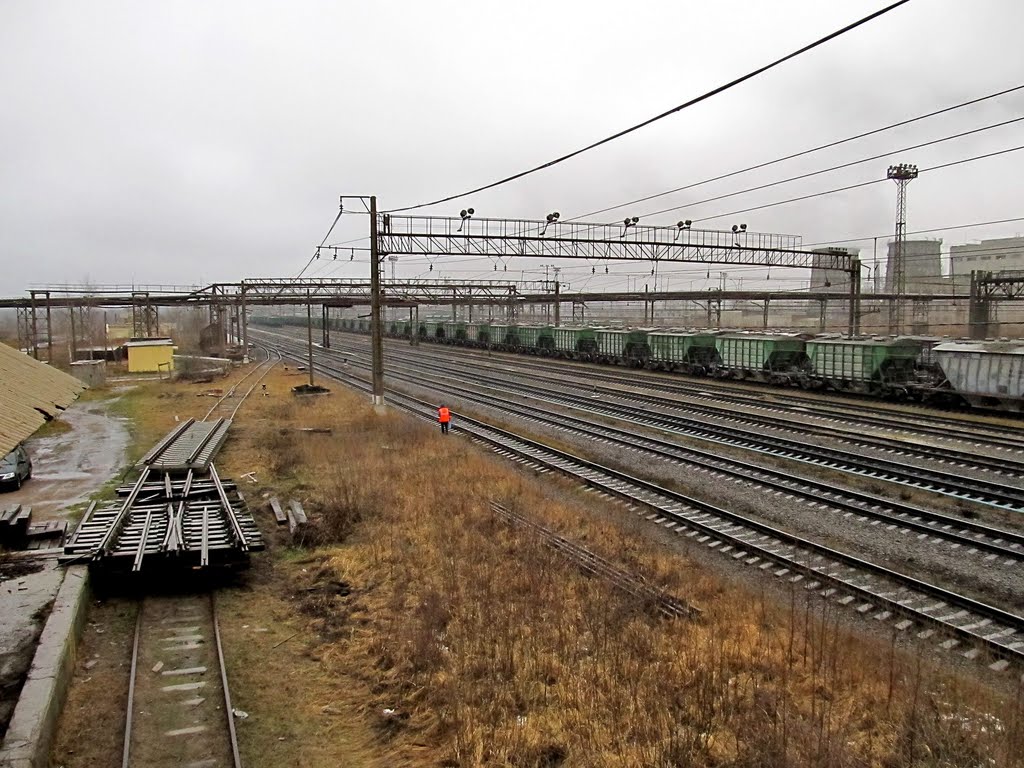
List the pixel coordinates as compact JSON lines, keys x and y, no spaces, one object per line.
{"x":230,"y":303}
{"x":508,"y":238}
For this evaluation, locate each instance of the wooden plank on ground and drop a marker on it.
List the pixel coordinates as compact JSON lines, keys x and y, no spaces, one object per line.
{"x":296,"y":509}
{"x":8,"y":514}
{"x":279,"y":515}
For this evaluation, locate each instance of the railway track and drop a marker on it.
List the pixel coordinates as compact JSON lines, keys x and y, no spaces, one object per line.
{"x":227,"y":406}
{"x":1009,"y":465}
{"x":595,"y":565}
{"x":968,"y":536}
{"x":178,"y":511}
{"x":179,"y":709}
{"x":956,"y":621}
{"x":669,"y":419}
{"x":869,"y":413}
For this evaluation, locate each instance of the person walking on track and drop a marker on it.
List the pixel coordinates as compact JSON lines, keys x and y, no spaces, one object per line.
{"x":445,"y":417}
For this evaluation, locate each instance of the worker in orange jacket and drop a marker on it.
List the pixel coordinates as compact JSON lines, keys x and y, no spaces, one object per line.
{"x":445,"y":417}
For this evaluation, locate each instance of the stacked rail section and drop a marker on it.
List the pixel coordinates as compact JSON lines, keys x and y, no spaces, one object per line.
{"x":177,"y":513}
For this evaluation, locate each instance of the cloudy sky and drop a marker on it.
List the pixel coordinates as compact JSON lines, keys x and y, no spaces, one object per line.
{"x":190,"y":142}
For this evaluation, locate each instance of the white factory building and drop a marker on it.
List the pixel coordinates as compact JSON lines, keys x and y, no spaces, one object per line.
{"x":994,"y":255}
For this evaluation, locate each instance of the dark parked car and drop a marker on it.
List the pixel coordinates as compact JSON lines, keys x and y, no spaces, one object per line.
{"x":15,"y":468}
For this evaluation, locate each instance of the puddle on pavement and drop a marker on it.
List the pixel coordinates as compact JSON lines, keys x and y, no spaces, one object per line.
{"x":69,"y":467}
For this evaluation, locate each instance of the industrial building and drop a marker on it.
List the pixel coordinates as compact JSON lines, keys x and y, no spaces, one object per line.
{"x":993,"y":255}
{"x":922,"y":267}
{"x":150,"y":355}
{"x":830,"y":280}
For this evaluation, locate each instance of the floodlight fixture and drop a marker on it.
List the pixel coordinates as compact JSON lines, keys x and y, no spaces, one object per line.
{"x":551,"y":218}
{"x":902,"y":172}
{"x":627,"y":223}
{"x":466,"y":214}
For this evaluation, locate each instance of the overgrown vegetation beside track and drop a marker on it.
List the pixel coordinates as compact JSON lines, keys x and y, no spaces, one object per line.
{"x":462,"y":642}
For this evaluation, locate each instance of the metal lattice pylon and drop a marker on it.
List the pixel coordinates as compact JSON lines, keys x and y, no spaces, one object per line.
{"x":902,"y":174}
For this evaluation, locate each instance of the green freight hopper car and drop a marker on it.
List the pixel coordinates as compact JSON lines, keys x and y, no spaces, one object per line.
{"x":455,"y":332}
{"x":435,"y":330}
{"x":479,"y":333}
{"x":766,"y":357}
{"x":623,"y":346}
{"x":575,"y":342}
{"x":505,"y":337}
{"x":537,"y":338}
{"x":689,"y":352}
{"x":864,"y":365}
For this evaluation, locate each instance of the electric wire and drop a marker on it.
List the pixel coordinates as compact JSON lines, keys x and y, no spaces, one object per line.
{"x":667,"y":113}
{"x":850,"y":186}
{"x":921,"y":231}
{"x":316,"y":253}
{"x":802,"y":153}
{"x":849,"y":164}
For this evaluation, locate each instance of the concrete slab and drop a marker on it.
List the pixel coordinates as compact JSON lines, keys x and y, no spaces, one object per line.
{"x":25,"y":597}
{"x":30,"y":733}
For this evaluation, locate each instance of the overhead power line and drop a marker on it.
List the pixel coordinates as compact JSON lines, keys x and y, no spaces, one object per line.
{"x":853,"y":186}
{"x":316,"y":253}
{"x":802,"y":153}
{"x":850,"y":164}
{"x":656,"y":118}
{"x":919,"y":231}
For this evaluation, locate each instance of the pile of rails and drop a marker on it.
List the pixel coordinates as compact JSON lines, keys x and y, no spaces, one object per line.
{"x":177,"y":513}
{"x":17,"y":531}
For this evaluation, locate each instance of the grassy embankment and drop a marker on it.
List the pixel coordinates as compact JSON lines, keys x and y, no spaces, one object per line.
{"x":458,"y":641}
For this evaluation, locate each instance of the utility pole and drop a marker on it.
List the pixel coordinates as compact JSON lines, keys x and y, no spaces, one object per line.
{"x":309,"y":333}
{"x":558,"y":301}
{"x":73,"y":348}
{"x":377,"y":340}
{"x":245,"y":328}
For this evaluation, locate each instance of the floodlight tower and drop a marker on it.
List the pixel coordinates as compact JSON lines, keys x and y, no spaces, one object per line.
{"x":902,"y":174}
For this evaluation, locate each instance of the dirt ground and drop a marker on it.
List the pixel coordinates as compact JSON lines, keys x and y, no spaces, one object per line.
{"x":73,"y":461}
{"x":422,"y":633}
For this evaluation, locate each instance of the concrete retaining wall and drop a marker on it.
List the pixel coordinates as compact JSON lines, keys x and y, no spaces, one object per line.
{"x":30,"y":733}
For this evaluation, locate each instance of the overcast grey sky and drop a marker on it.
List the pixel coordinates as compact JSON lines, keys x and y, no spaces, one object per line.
{"x":187,"y":142}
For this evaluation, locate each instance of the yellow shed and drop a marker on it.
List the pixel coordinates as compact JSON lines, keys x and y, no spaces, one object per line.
{"x":150,"y":355}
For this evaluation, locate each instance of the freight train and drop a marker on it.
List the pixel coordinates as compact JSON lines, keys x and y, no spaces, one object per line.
{"x":924,"y":369}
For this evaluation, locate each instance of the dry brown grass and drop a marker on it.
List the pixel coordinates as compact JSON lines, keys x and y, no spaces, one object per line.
{"x":91,"y":725}
{"x":463,"y":642}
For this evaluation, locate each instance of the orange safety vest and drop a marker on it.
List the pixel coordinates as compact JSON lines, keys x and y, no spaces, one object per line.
{"x":443,"y":415}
